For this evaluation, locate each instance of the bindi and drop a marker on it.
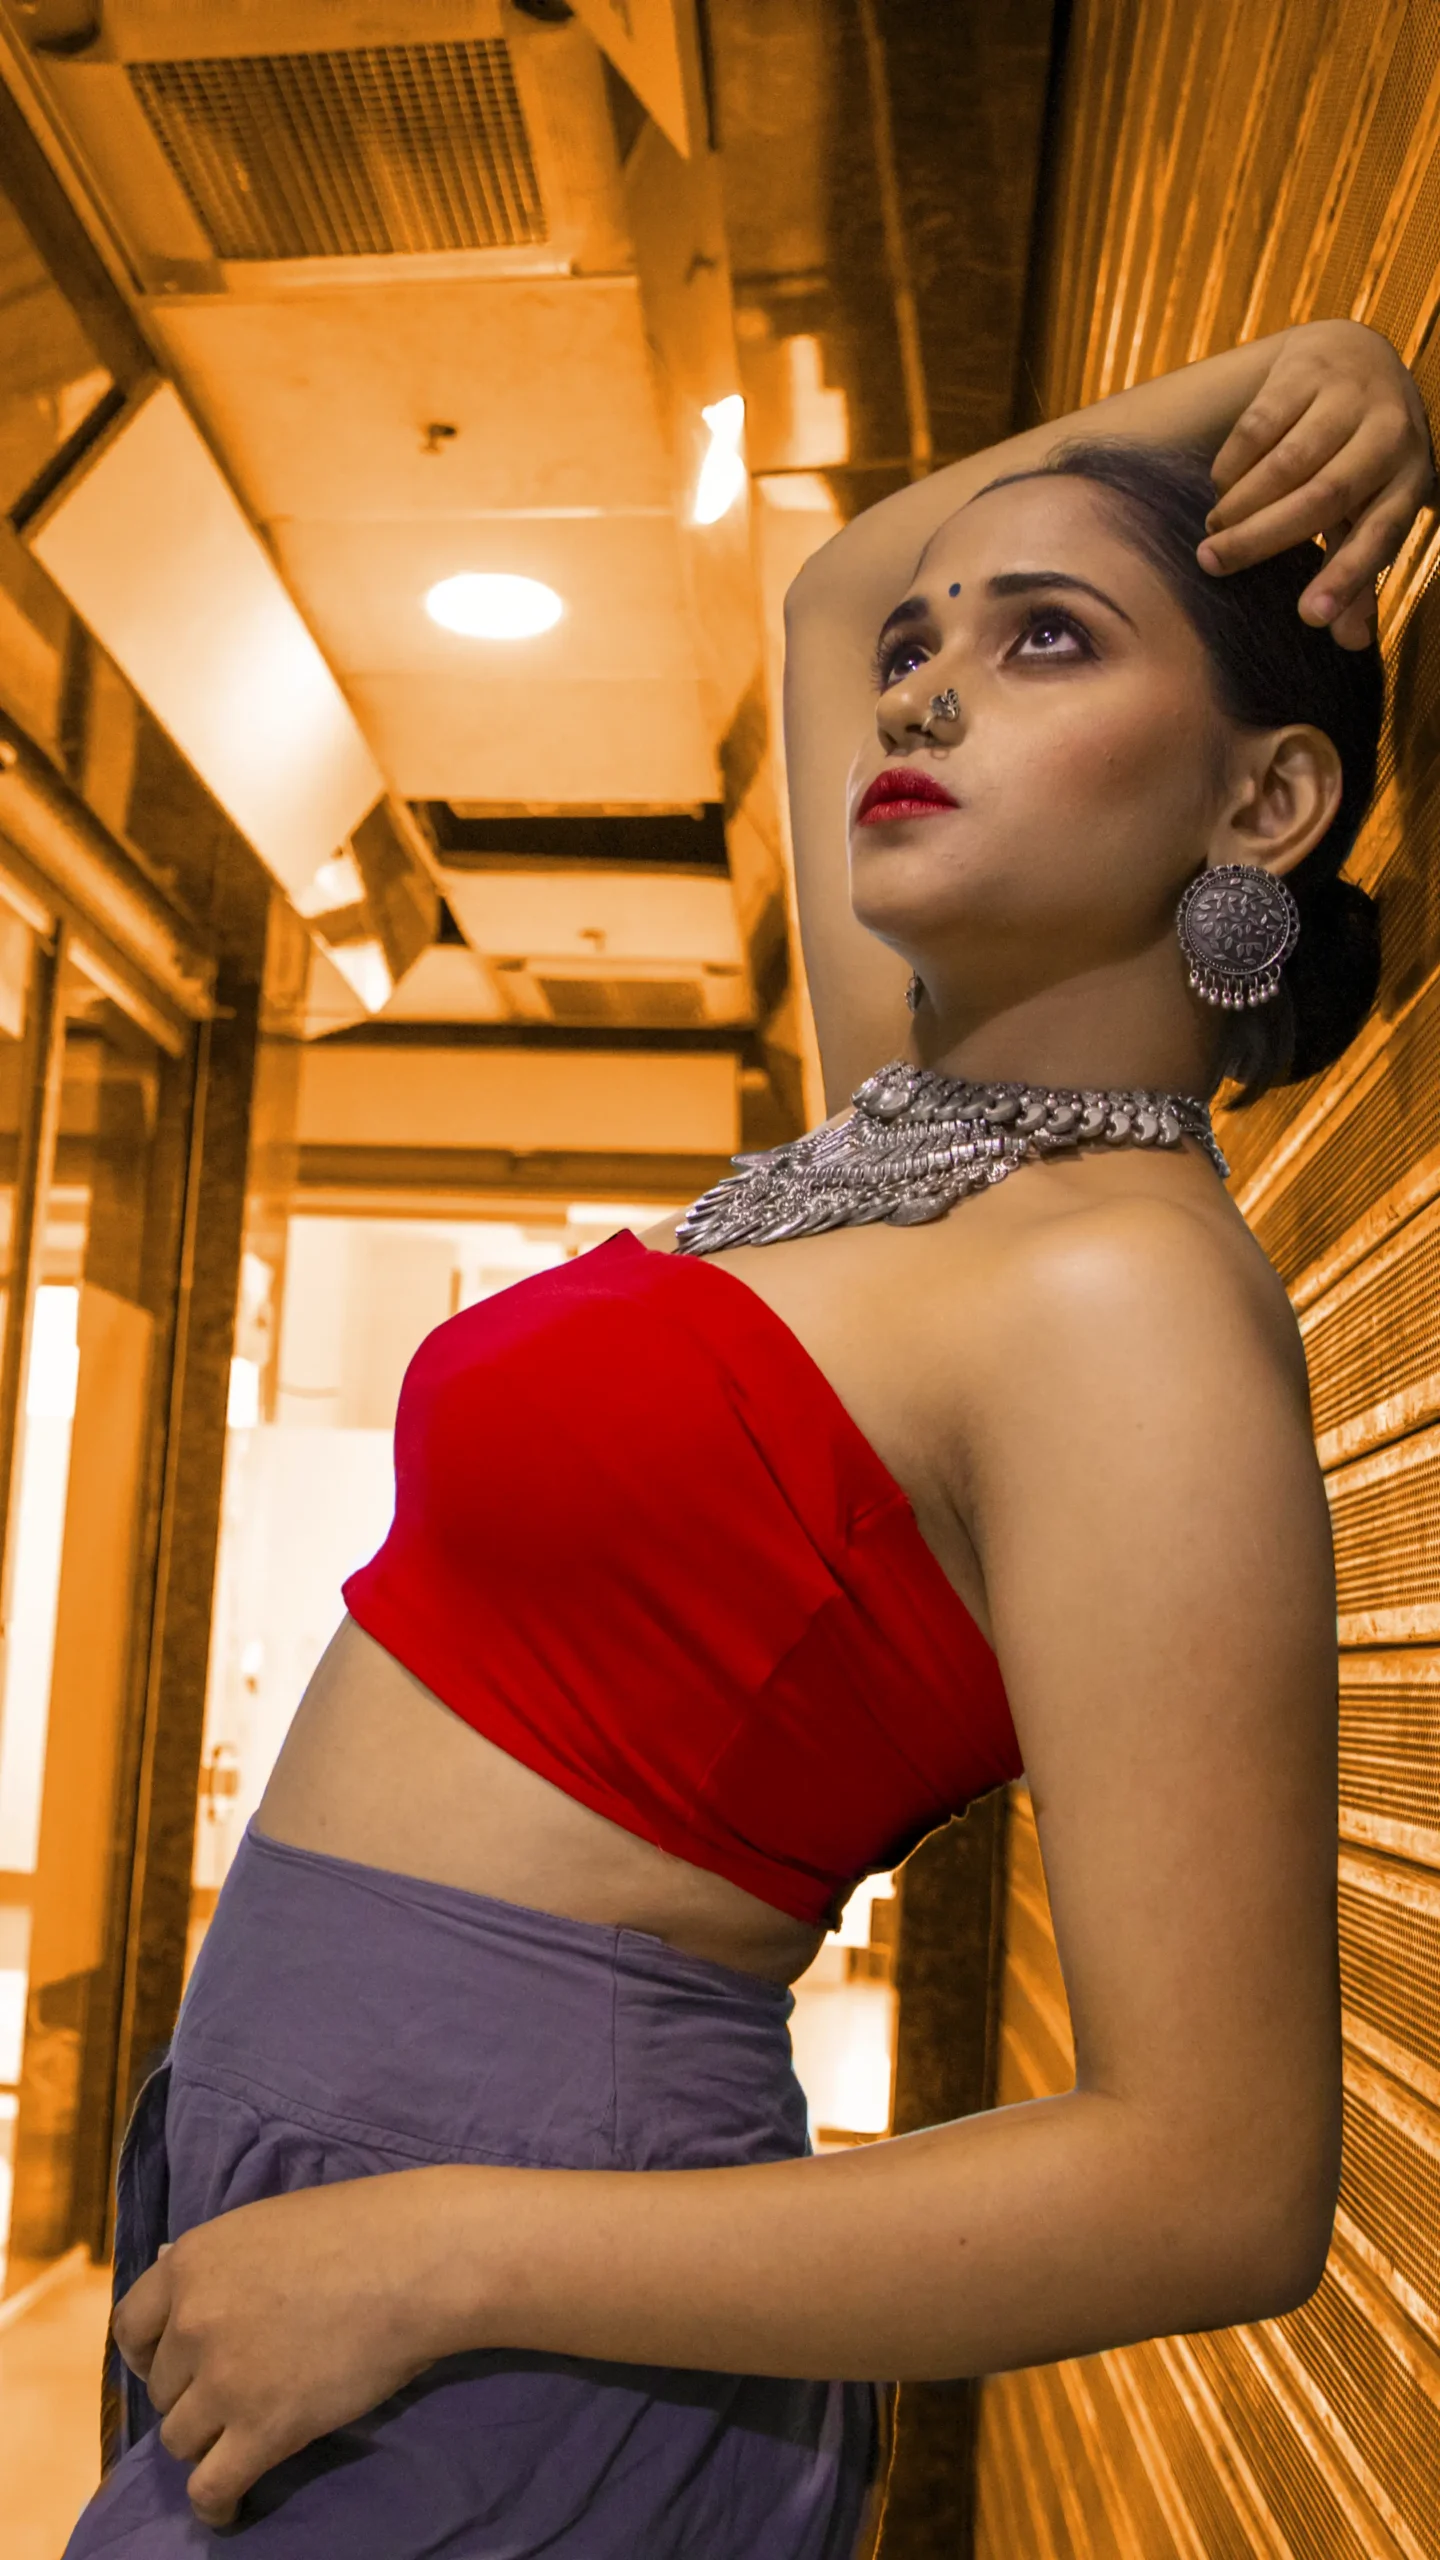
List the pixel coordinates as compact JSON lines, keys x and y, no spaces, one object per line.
{"x":955,"y":590}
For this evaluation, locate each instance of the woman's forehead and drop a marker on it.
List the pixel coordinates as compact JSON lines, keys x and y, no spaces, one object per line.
{"x":1003,"y":520}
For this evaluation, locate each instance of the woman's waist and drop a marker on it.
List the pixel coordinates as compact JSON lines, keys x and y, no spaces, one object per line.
{"x":366,"y":2004}
{"x":379,"y":1771}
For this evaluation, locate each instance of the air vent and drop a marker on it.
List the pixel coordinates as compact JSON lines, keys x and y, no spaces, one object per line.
{"x":650,"y":1004}
{"x":383,"y":150}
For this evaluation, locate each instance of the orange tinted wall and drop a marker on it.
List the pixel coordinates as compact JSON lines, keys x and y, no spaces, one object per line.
{"x":1224,"y":169}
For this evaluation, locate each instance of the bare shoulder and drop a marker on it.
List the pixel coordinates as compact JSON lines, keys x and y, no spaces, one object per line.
{"x":1113,"y":1333}
{"x":1144,"y":1278}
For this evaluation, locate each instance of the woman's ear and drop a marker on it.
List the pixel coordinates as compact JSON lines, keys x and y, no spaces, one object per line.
{"x":1287,"y":794}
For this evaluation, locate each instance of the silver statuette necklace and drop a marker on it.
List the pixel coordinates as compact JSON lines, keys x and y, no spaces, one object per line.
{"x":915,"y":1144}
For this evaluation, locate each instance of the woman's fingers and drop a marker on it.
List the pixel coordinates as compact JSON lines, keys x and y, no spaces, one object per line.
{"x":172,"y":2369}
{"x":1336,"y":436}
{"x":1354,"y":562}
{"x":191,"y":2427}
{"x":1270,"y":416}
{"x":1346,"y":485}
{"x":1355,"y":628}
{"x":1333,"y":437}
{"x":140,"y":2318}
{"x":1353,"y":624}
{"x":230,"y":2466}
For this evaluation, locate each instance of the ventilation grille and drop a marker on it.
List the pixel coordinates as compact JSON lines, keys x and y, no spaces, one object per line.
{"x":654,"y":1004}
{"x":388,"y":149}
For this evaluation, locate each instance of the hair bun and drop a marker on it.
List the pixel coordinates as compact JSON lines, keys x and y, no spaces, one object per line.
{"x":1334,"y":973}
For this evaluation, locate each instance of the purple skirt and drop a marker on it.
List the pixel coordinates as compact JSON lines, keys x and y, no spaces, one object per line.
{"x":342,"y":2021}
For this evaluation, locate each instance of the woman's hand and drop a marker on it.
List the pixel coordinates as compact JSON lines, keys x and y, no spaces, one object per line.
{"x":1335,"y":443}
{"x":270,"y":2326}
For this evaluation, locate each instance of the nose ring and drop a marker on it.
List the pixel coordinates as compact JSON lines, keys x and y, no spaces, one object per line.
{"x":943,"y":706}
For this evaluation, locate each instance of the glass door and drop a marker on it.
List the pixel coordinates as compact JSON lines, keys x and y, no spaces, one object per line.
{"x":22,"y":974}
{"x":72,"y":1664}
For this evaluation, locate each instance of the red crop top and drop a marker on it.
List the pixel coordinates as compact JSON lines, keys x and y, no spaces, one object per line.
{"x":641,"y":1545}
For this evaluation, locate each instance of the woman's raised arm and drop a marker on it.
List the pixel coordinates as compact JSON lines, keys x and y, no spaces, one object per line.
{"x":1317,"y":430}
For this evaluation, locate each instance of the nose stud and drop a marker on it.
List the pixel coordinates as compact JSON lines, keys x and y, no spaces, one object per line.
{"x":943,"y":706}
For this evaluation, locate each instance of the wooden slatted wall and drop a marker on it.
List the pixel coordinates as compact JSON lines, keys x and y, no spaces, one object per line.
{"x":1224,"y":167}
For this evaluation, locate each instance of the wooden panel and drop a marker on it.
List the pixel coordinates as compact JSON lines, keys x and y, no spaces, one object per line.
{"x":1222,"y":169}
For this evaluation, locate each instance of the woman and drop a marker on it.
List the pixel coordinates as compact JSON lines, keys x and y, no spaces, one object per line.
{"x":623,"y":1708}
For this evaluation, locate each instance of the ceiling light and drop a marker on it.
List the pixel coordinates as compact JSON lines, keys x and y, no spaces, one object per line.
{"x":482,"y":606}
{"x":722,"y":473}
{"x":151,"y":547}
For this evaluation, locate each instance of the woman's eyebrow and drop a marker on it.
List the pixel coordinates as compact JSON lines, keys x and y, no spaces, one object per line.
{"x":914,"y":609}
{"x":1024,"y":582}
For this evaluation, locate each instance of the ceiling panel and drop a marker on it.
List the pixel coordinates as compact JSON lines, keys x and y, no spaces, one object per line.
{"x":505,"y":738}
{"x":446,"y":984}
{"x":320,"y":398}
{"x":363,"y":589}
{"x":624,"y":1101}
{"x":589,"y":915}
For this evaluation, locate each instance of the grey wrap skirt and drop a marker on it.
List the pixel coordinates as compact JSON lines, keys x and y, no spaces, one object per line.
{"x":342,"y":2021}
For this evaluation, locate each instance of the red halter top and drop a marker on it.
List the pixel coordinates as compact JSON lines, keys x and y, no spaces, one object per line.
{"x":640,"y":1544}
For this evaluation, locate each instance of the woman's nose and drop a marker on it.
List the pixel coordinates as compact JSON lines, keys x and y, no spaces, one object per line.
{"x":913,"y":709}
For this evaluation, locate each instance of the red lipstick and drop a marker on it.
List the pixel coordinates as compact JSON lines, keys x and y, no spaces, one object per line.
{"x":903,"y":791}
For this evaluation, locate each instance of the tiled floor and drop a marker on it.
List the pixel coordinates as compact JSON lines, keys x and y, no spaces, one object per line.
{"x":50,"y":2413}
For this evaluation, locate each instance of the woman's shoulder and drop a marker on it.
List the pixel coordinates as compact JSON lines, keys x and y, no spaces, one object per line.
{"x":1134,"y":1278}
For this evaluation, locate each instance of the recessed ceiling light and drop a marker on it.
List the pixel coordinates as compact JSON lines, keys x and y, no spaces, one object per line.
{"x":484,"y":606}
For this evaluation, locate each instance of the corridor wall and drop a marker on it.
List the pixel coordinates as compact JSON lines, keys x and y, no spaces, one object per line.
{"x":1222,"y":169}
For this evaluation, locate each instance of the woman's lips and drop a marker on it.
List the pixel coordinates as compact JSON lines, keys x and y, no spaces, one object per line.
{"x":903,"y":792}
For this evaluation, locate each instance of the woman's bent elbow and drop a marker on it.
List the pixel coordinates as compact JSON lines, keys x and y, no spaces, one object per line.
{"x":1275,"y":2260}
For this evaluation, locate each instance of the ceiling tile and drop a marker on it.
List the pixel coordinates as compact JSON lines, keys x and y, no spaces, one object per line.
{"x":319,"y":401}
{"x":361,"y":588}
{"x":446,"y":984}
{"x":590,"y":914}
{"x":464,"y":738}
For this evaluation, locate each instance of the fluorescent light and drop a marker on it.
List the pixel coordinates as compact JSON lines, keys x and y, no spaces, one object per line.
{"x":485,"y":606}
{"x":154,"y":552}
{"x":722,"y":473}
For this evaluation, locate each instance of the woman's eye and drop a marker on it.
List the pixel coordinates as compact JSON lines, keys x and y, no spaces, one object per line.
{"x":1054,"y":635}
{"x":900,"y":659}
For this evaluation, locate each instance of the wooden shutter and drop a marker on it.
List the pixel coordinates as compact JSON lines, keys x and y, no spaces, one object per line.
{"x":1225,"y":167}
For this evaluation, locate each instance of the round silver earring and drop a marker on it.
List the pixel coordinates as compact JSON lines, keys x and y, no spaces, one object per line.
{"x":914,"y":993}
{"x":943,"y":706}
{"x":1237,"y":927}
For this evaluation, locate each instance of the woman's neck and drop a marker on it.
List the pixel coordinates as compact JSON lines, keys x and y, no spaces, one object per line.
{"x":1116,"y":1029}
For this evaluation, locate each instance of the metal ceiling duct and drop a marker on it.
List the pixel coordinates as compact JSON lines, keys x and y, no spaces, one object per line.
{"x":331,"y":138}
{"x":416,"y":149}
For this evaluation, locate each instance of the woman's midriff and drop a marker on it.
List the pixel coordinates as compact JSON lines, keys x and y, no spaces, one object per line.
{"x":376,"y":1769}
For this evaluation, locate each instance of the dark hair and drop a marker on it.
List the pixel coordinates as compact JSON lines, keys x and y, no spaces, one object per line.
{"x":1270,"y":669}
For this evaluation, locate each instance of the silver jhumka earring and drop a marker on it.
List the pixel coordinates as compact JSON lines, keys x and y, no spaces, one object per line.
{"x":1237,"y":927}
{"x":943,"y":706}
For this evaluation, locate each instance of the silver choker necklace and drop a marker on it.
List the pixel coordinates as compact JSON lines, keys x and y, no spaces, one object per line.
{"x":916,"y":1143}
